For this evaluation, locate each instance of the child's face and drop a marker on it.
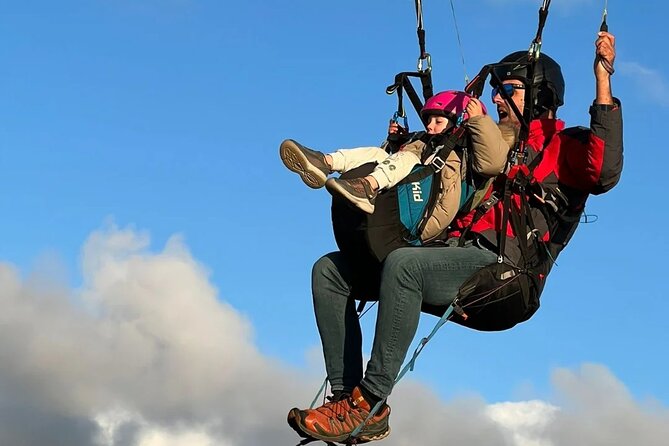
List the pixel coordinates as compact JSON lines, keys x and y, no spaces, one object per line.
{"x":437,"y":124}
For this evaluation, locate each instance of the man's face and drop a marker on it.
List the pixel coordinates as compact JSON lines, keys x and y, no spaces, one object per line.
{"x":505,"y":113}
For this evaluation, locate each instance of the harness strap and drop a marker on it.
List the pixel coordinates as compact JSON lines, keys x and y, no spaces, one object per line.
{"x":521,"y":220}
{"x":409,"y":366}
{"x":481,"y":210}
{"x":419,"y":26}
{"x":501,"y":235}
{"x":455,"y":139}
{"x":403,"y":84}
{"x":475,"y":86}
{"x":494,"y":198}
{"x":424,"y":73}
{"x":535,"y":47}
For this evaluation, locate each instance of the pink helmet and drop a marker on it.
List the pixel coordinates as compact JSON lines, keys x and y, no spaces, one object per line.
{"x":450,"y":104}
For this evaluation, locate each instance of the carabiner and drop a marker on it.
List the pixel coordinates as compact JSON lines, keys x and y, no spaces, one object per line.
{"x":428,"y":60}
{"x":405,"y":120}
{"x":535,"y":50}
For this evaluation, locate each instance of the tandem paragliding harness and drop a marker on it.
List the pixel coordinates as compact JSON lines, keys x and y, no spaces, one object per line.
{"x":500,"y":295}
{"x":402,"y":212}
{"x":503,"y":294}
{"x":506,"y":293}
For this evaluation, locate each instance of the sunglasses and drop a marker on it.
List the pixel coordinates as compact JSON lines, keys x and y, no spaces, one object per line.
{"x":508,"y":89}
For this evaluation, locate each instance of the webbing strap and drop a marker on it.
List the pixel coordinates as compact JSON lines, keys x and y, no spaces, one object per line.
{"x":475,"y":86}
{"x":424,"y":73}
{"x":321,"y":390}
{"x":403,"y":84}
{"x":424,"y":58}
{"x":453,"y":140}
{"x":501,"y":235}
{"x":535,"y":47}
{"x":420,"y":30}
{"x":481,"y":210}
{"x":409,"y":366}
{"x":520,"y":221}
{"x":412,"y":362}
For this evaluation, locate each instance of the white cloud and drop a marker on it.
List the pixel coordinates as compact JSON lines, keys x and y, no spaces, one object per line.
{"x":651,"y":82}
{"x":525,"y":423}
{"x":147,"y":354}
{"x":145,"y":349}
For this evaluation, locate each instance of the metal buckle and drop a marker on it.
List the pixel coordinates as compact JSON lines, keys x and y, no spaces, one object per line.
{"x":438,"y":163}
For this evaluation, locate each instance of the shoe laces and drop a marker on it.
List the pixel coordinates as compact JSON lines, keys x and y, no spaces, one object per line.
{"x":341,"y":396}
{"x":362,"y":186}
{"x":340,"y":409}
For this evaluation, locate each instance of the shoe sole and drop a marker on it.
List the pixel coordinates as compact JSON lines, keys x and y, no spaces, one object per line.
{"x":367,"y":438}
{"x":293,"y":415}
{"x":296,"y":161}
{"x":335,"y":189}
{"x":295,"y":422}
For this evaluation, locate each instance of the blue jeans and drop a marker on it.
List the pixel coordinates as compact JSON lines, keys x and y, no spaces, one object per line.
{"x":410,"y":278}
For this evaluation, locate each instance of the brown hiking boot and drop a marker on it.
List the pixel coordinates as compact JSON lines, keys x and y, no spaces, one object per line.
{"x":336,"y":420}
{"x":356,"y":190}
{"x":309,"y":164}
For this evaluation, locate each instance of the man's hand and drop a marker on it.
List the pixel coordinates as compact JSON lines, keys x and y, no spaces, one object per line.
{"x":605,"y":54}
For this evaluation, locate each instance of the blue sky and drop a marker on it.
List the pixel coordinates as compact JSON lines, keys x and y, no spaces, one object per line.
{"x":147,"y":130}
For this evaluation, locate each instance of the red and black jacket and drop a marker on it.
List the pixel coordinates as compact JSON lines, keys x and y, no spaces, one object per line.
{"x":562,"y":168}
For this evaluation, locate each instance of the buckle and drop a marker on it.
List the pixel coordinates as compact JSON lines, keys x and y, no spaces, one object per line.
{"x":438,"y":163}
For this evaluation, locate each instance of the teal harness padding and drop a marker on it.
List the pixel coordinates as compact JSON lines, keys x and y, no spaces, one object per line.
{"x":401,"y":212}
{"x":414,"y":195}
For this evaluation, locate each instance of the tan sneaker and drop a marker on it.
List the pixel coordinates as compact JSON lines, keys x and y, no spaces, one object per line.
{"x":309,"y":164}
{"x":356,"y":190}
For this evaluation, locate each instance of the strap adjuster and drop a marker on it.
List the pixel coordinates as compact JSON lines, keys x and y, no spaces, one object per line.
{"x":438,"y":163}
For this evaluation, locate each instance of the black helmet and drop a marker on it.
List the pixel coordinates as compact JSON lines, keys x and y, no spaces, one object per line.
{"x":548,"y":83}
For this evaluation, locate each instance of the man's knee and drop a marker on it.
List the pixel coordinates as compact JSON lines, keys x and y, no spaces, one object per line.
{"x":327,"y":269}
{"x":401,"y":262}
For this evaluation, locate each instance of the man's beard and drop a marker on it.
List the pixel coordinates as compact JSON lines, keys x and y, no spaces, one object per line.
{"x":506,"y":115}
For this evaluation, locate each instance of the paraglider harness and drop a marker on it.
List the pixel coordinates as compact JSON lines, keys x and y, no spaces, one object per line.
{"x":402,"y":212}
{"x":503,"y":294}
{"x":506,"y":293}
{"x":499,"y":296}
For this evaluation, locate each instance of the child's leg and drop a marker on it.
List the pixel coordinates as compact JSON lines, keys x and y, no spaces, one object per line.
{"x":394,"y":168}
{"x":390,"y":171}
{"x":344,"y":160}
